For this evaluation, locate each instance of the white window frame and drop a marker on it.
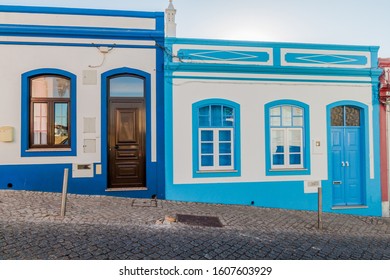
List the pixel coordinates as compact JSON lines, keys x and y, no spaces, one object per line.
{"x":287,"y":152}
{"x":216,"y":153}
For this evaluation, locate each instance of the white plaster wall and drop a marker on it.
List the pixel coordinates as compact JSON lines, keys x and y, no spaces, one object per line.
{"x":252,"y":95}
{"x":18,"y":59}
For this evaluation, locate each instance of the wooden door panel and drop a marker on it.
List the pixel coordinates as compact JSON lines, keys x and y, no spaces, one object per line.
{"x":127,"y":160}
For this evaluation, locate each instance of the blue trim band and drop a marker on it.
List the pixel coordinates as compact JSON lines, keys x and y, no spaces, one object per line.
{"x":76,"y":45}
{"x":272,"y":80}
{"x":287,"y":70}
{"x":78,"y":11}
{"x":190,"y":41}
{"x":78,"y":32}
{"x":25,"y":125}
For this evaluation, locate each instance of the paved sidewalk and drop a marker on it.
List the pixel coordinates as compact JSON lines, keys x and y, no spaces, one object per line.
{"x":97,"y":227}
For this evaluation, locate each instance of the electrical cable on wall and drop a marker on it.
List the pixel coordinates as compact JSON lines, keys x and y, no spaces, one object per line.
{"x":104,"y":50}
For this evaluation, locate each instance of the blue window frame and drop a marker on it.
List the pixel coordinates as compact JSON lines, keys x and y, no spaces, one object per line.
{"x":216,"y":138}
{"x":287,"y":138}
{"x":48,"y":113}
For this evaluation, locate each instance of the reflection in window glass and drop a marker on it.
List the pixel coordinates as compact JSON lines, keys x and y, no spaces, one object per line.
{"x":50,"y":86}
{"x":126,"y":86}
{"x":40,"y":124}
{"x":61,"y":133}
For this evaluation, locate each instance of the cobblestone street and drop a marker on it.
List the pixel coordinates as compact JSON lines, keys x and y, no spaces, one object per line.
{"x":119,"y":228}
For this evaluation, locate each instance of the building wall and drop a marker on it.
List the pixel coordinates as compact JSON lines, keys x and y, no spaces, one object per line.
{"x":75,"y":41}
{"x":205,"y":69}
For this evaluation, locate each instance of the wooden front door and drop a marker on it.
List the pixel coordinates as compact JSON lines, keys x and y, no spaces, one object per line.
{"x":126,"y":140}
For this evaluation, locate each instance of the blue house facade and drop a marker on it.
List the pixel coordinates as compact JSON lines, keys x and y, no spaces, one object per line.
{"x":82,"y":90}
{"x":267,"y":124}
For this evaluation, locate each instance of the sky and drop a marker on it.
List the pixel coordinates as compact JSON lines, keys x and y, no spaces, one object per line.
{"x":345,"y":22}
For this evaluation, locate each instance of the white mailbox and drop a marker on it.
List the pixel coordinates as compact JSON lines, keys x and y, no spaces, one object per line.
{"x":6,"y":134}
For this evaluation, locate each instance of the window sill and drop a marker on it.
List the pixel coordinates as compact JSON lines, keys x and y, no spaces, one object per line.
{"x":288,"y":169}
{"x":288,"y":172}
{"x":48,"y":150}
{"x":215,"y":171}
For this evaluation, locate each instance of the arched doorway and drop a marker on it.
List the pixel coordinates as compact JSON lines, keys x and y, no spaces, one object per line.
{"x":347,"y":155}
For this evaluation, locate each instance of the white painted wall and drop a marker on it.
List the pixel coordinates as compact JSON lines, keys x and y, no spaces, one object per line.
{"x":18,"y":59}
{"x":252,"y":95}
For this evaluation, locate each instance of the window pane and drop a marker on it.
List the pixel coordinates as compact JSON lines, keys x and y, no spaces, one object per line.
{"x":61,"y":132}
{"x":286,"y":116}
{"x":216,"y":115}
{"x":204,"y":121}
{"x":225,"y":160}
{"x":50,"y":86}
{"x":337,"y":116}
{"x":225,"y":148}
{"x":40,"y":124}
{"x":275,"y":111}
{"x":278,"y":159}
{"x":225,"y":135}
{"x":294,"y":141}
{"x":126,"y":86}
{"x":207,"y":148}
{"x":277,"y":141}
{"x":297,"y":121}
{"x":204,"y":111}
{"x":207,"y":135}
{"x":295,"y":159}
{"x":297,"y":111}
{"x":207,"y":160}
{"x":228,"y":116}
{"x":275,"y":121}
{"x":352,"y":116}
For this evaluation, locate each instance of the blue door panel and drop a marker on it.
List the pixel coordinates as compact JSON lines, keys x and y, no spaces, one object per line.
{"x":346,"y":166}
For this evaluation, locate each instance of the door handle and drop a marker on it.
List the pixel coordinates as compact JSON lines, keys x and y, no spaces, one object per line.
{"x":116,"y":147}
{"x":342,"y":163}
{"x":347,"y":164}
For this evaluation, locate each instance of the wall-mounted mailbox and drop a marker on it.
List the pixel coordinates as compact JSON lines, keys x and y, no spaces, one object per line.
{"x":82,"y":170}
{"x":6,"y":134}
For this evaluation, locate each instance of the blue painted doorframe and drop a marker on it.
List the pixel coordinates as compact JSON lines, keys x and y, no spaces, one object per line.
{"x":347,"y":150}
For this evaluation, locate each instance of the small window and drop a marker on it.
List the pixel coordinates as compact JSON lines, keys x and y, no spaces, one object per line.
{"x":126,"y":86}
{"x":286,"y":137}
{"x":49,"y":112}
{"x":288,"y":152}
{"x":345,"y":116}
{"x":216,"y":130}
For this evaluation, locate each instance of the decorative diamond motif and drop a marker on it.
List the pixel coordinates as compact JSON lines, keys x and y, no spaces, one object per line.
{"x":223,"y":55}
{"x":326,"y":59}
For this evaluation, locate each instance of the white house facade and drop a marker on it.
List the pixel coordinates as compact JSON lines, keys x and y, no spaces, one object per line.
{"x":83,"y":90}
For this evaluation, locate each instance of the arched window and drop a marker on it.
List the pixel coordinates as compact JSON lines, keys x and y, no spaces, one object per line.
{"x":216,"y":130}
{"x":49,"y":111}
{"x":287,"y":130}
{"x":49,"y":118}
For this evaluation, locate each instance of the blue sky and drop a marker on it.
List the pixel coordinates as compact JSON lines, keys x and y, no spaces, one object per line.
{"x":352,"y":22}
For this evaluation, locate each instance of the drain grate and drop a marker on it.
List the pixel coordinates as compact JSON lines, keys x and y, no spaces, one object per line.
{"x":205,"y":221}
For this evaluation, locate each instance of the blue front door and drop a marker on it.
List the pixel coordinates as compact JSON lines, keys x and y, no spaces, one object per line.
{"x":346,"y":144}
